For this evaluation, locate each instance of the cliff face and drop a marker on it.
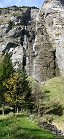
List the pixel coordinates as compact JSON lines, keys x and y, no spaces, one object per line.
{"x":17,"y":30}
{"x":49,"y":45}
{"x":54,"y":22}
{"x":35,"y":38}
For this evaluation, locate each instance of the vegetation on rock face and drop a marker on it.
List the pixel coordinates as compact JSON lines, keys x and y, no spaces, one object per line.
{"x":33,"y":7}
{"x":26,"y":17}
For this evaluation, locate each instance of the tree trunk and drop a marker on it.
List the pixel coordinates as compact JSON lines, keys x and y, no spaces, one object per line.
{"x":17,"y":110}
{"x":3,"y":109}
{"x":38,"y":109}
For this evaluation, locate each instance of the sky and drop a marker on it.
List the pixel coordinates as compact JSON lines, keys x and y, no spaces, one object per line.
{"x":5,"y":3}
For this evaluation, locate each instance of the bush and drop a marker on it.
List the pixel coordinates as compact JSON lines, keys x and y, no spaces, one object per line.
{"x":7,"y":110}
{"x":57,"y":109}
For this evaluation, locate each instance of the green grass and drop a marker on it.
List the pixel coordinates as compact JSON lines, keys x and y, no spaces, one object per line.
{"x":55,"y":86}
{"x":55,"y":89}
{"x":55,"y":95}
{"x":33,"y":82}
{"x":21,"y":127}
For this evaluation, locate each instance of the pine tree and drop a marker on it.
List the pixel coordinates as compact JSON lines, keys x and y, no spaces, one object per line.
{"x":14,"y":96}
{"x":26,"y":89}
{"x":18,"y":91}
{"x":6,"y":69}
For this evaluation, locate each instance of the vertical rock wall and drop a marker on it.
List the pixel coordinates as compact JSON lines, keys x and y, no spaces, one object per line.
{"x":43,"y":61}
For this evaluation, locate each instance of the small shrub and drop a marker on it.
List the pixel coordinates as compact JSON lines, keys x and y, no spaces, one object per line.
{"x":57,"y":109}
{"x":49,"y":119}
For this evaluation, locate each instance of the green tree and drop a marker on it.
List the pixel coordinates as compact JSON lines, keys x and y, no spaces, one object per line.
{"x":6,"y":69}
{"x":27,"y":90}
{"x":39,"y":97}
{"x":18,"y":91}
{"x":14,"y":96}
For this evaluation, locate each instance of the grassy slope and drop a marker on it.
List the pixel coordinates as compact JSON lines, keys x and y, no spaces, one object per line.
{"x":21,"y":127}
{"x":55,"y":86}
{"x":32,"y":81}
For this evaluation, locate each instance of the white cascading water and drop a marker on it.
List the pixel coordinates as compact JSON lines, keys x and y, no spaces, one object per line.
{"x":25,"y":40}
{"x":34,"y":45}
{"x":34,"y":48}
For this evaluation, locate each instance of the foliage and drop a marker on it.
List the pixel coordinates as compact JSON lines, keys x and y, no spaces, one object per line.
{"x":33,"y":7}
{"x":10,"y":26}
{"x":15,"y":89}
{"x":7,"y":109}
{"x":49,"y":119}
{"x":26,"y":88}
{"x":26,"y":17}
{"x":18,"y":93}
{"x":56,"y":109}
{"x":38,"y":99}
{"x":6,"y":69}
{"x":38,"y":96}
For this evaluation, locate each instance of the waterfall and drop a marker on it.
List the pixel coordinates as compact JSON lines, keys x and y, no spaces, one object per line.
{"x":25,"y":42}
{"x":34,"y":46}
{"x":25,"y":39}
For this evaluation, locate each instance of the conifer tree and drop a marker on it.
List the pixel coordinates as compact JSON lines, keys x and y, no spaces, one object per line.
{"x":6,"y":69}
{"x":18,"y":91}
